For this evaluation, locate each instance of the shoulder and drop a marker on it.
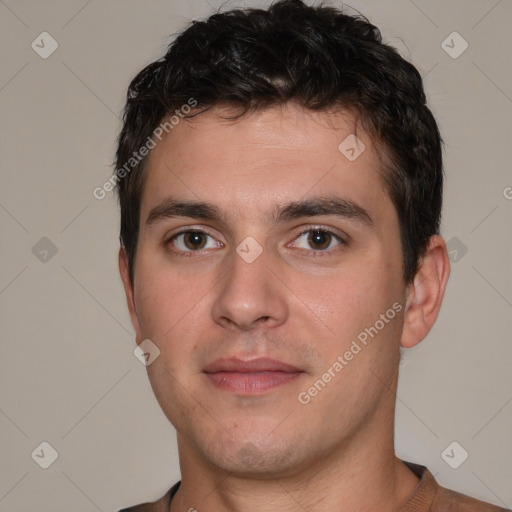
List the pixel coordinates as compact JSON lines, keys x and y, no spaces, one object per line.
{"x":447,"y":499}
{"x":431,"y":496}
{"x":160,"y":505}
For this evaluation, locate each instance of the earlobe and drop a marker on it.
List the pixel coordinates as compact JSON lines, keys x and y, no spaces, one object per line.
{"x":426,"y":292}
{"x":129,"y":292}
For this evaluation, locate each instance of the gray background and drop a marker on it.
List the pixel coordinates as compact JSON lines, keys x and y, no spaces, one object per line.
{"x":69,"y":376}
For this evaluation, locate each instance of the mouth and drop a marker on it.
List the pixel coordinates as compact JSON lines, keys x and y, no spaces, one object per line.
{"x":250,"y":377}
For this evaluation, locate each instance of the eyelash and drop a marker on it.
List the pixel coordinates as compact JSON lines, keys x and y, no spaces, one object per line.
{"x":317,"y":253}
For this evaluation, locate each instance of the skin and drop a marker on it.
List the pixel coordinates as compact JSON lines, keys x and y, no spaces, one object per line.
{"x":299,"y":302}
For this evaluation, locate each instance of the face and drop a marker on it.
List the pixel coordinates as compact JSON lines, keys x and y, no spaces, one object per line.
{"x":269,"y":276}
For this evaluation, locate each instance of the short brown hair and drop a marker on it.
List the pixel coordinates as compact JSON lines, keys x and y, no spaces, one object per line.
{"x":318,"y":57}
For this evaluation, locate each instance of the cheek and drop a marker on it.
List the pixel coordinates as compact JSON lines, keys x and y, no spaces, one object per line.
{"x":163,"y":298}
{"x":355,"y":300}
{"x":173,"y":309}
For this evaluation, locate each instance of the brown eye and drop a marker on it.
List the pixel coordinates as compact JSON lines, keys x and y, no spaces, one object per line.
{"x":194,"y":240}
{"x":188,"y":242}
{"x":319,"y":240}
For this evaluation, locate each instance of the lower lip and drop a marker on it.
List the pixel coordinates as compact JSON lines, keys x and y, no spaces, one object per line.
{"x":251,"y":383}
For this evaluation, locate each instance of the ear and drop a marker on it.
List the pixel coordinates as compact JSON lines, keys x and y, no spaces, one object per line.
{"x":129,"y":292}
{"x":425,"y":294}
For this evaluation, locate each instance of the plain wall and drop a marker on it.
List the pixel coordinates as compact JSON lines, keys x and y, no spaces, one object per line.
{"x":69,"y":376}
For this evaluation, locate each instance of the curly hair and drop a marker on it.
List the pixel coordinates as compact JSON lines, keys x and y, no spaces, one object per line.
{"x":318,"y":57}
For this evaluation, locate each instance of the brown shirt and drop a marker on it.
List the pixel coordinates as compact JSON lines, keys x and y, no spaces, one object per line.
{"x":428,"y":496}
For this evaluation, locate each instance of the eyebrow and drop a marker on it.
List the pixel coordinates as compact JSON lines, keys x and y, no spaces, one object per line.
{"x":329,"y":206}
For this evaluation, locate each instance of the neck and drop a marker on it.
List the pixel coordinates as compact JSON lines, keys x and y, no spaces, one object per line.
{"x":361,"y":474}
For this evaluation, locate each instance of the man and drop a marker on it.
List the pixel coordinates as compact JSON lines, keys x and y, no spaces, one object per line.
{"x":280,"y":182}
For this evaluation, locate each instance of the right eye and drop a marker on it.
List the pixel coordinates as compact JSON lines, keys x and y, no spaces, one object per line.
{"x":192,"y":241}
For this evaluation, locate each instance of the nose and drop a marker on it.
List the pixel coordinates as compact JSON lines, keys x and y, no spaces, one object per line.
{"x":250,"y":296}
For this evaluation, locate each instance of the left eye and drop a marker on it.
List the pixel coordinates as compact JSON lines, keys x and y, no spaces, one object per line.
{"x":317,"y":239}
{"x":193,"y":241}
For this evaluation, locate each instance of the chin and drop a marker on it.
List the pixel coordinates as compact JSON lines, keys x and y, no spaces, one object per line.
{"x":255,"y":456}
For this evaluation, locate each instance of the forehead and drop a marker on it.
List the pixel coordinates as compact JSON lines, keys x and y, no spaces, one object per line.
{"x":264,"y":158}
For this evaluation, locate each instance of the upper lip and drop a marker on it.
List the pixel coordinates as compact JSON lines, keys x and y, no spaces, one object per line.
{"x":260,"y":364}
